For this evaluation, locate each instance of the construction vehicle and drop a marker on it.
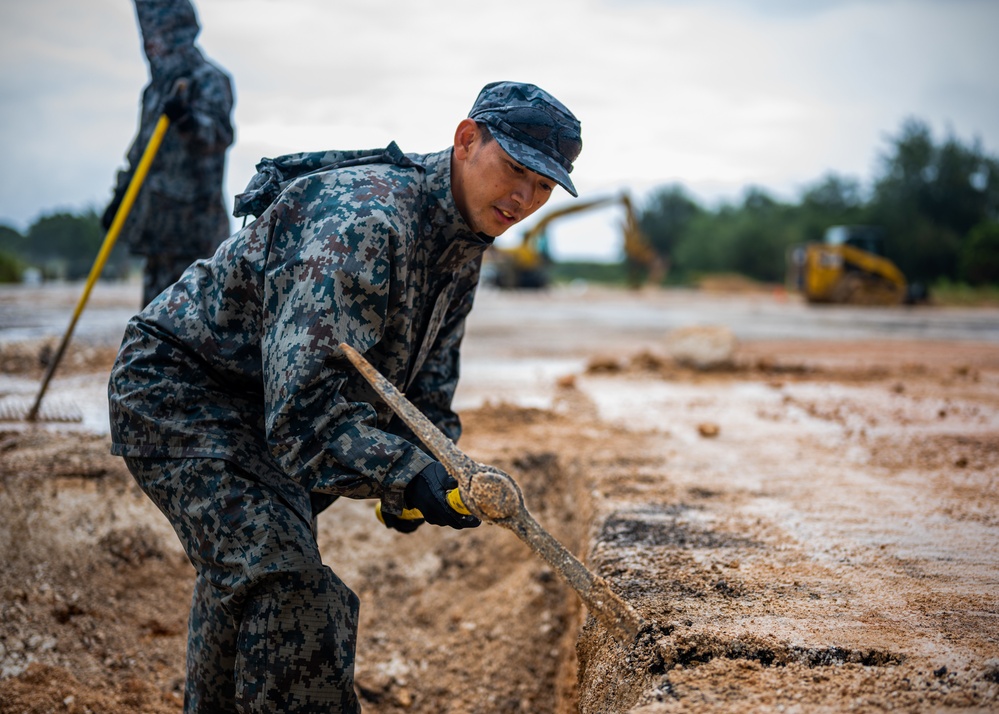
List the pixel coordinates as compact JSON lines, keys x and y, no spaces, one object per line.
{"x":848,"y":267}
{"x":528,"y":264}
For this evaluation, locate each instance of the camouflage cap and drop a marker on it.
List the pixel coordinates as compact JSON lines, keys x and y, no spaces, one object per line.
{"x":533,"y":127}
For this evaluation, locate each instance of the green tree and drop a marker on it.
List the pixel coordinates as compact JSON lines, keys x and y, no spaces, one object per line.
{"x":834,"y":194}
{"x":666,"y":218}
{"x":12,"y":247}
{"x":11,"y":240}
{"x":980,"y":254}
{"x":704,"y":247}
{"x":757,"y":244}
{"x":65,"y":244}
{"x":751,"y":239}
{"x":831,"y":201}
{"x":11,"y":268}
{"x":928,"y":197}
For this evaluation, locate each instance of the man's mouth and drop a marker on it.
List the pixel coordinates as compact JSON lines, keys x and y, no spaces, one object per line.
{"x":509,"y":217}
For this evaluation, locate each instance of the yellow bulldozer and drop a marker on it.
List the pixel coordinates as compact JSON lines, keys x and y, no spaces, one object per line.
{"x":848,"y":267}
{"x":528,"y":264}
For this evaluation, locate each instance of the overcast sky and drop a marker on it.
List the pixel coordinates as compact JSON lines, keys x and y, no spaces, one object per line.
{"x":715,"y":95}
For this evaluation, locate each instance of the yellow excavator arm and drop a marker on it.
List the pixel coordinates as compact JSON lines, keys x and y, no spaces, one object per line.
{"x":529,"y":256}
{"x":538,"y":229}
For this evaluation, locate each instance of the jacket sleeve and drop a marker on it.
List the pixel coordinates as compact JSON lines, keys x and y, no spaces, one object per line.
{"x":209,"y":135}
{"x":210,"y":130}
{"x":319,"y":291}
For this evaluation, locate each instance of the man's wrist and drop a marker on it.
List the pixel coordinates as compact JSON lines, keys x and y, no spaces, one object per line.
{"x":394,"y":497}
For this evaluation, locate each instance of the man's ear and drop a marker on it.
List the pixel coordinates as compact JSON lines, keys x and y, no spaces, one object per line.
{"x":465,"y":136}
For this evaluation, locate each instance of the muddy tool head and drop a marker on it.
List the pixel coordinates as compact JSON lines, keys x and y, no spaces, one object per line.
{"x":494,"y":496}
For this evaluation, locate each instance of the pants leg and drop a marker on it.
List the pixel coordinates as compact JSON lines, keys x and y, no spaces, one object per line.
{"x":211,"y":653}
{"x":296,"y":646}
{"x":271,"y":628}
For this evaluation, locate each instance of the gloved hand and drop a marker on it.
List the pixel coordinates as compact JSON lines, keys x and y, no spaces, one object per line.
{"x":178,"y":107}
{"x":402,"y":525}
{"x":428,"y":492}
{"x":109,"y":213}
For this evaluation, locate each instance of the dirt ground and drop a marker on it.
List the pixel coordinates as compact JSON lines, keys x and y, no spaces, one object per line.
{"x":813,"y":527}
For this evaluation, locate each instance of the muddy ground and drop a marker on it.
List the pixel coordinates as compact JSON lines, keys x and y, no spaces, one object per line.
{"x":813,"y":527}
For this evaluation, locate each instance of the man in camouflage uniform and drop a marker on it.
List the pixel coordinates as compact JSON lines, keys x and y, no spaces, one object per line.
{"x":179,"y":214}
{"x":241,"y":419}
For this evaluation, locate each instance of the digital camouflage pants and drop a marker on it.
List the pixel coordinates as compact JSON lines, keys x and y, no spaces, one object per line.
{"x":271,"y":628}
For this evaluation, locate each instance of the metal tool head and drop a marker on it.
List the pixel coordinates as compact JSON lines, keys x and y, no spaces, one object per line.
{"x":493,"y":496}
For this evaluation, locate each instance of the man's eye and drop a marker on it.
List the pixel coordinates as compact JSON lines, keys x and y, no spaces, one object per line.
{"x":517,"y":168}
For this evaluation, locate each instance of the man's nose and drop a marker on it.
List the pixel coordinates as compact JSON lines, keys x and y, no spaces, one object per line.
{"x":525,"y":192}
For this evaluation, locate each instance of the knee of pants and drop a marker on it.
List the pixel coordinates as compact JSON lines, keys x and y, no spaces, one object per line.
{"x":236,"y":532}
{"x":296,"y":642}
{"x":318,"y":586}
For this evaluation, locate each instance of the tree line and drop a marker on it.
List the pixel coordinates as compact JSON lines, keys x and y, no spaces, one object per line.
{"x":937,"y":203}
{"x":60,"y":245}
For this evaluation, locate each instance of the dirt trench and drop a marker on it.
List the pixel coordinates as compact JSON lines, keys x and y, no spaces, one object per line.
{"x":95,"y":590}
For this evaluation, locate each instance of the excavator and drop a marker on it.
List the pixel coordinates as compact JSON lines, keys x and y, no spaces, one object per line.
{"x":847,"y":267}
{"x":527,"y":264}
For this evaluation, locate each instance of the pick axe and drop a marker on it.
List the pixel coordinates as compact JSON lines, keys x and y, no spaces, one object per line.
{"x":493,"y":496}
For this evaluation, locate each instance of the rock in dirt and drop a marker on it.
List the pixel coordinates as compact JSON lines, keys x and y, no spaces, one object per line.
{"x":708,"y":429}
{"x":702,"y":346}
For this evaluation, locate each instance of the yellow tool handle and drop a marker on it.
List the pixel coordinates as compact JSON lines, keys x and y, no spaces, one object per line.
{"x":102,"y":255}
{"x":412,"y":514}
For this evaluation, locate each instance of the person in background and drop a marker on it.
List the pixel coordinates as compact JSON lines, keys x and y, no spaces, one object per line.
{"x":179,"y":214}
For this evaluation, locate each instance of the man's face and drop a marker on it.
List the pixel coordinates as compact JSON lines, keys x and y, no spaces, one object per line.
{"x":492,"y":190}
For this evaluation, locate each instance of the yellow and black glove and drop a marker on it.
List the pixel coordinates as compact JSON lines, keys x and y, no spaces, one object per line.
{"x":428,"y":493}
{"x":403,"y":525}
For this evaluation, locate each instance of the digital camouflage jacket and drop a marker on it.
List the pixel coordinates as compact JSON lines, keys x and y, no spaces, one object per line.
{"x":179,"y":210}
{"x":239,"y":359}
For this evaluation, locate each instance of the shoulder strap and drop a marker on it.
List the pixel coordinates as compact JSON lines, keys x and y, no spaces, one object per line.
{"x":273,"y":175}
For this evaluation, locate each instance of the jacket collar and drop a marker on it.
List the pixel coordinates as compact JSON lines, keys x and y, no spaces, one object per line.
{"x":459,"y":242}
